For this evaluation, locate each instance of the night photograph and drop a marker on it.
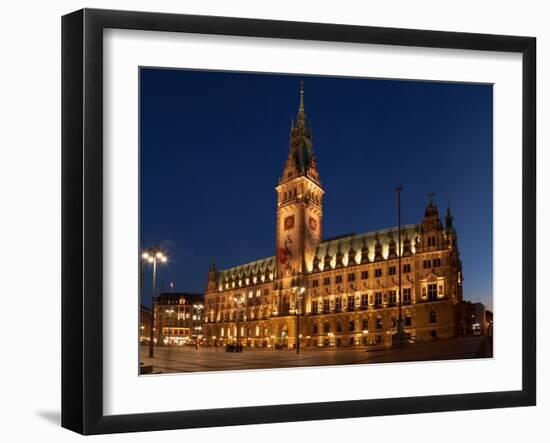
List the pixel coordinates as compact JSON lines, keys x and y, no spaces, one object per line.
{"x":300,"y":220}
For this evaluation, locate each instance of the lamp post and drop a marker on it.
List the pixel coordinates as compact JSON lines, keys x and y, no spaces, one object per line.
{"x":399,"y":337}
{"x":239,"y":301}
{"x":153,"y":255}
{"x":299,"y":295}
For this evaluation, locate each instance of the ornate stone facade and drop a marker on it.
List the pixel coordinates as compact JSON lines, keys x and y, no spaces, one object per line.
{"x":343,"y":291}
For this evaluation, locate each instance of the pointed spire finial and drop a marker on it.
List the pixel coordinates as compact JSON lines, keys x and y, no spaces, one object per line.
{"x":449,"y":217}
{"x":301,"y":95}
{"x":212,"y":265}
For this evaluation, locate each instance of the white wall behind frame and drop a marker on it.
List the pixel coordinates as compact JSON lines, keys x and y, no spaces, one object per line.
{"x":30,"y":184}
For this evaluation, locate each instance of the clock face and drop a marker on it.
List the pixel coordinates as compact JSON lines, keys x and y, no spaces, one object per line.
{"x":312,"y":224}
{"x":289,"y":222}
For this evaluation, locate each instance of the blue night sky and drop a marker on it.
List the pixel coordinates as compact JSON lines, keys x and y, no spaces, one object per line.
{"x":213,"y":145}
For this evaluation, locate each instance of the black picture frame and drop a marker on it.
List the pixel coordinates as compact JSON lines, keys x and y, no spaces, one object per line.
{"x":82,"y":218}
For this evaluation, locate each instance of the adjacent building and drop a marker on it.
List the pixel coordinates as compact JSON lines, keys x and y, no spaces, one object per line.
{"x":144,"y":324}
{"x":337,"y":292}
{"x":178,"y":318}
{"x":474,"y":319}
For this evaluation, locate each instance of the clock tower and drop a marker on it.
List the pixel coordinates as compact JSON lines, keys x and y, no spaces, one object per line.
{"x":299,"y":202}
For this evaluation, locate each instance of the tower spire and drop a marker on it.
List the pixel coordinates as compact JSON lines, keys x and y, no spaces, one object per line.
{"x":301,"y":159}
{"x":449,"y":218}
{"x":301,"y":116}
{"x":301,"y":109}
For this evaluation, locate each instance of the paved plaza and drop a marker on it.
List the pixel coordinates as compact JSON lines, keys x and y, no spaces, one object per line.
{"x":189,"y":359}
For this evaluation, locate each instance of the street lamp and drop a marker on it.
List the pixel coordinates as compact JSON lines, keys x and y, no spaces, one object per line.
{"x":299,"y":291}
{"x":239,"y":301}
{"x":153,"y":255}
{"x":399,"y":338}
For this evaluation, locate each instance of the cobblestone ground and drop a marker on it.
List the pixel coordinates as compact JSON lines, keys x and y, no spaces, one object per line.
{"x":189,"y":359}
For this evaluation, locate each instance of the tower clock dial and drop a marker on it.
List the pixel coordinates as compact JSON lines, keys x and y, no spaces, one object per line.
{"x":289,"y":222}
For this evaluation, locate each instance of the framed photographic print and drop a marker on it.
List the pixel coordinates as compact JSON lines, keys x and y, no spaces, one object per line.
{"x":270,"y":221}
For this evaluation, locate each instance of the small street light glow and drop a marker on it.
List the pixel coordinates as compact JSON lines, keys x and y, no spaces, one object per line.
{"x":151,"y":255}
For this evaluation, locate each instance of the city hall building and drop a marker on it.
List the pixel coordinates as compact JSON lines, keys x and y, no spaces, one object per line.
{"x":337,"y":292}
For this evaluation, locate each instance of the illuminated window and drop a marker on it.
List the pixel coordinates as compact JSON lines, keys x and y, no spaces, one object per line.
{"x":378,"y":272}
{"x":314,"y":306}
{"x":407,"y":268}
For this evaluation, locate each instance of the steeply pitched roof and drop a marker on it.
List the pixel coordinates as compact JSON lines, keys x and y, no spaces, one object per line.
{"x":369,"y":238}
{"x":258,"y":267}
{"x":344,"y":243}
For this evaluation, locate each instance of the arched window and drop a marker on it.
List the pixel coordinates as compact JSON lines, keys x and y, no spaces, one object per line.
{"x":433,"y":317}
